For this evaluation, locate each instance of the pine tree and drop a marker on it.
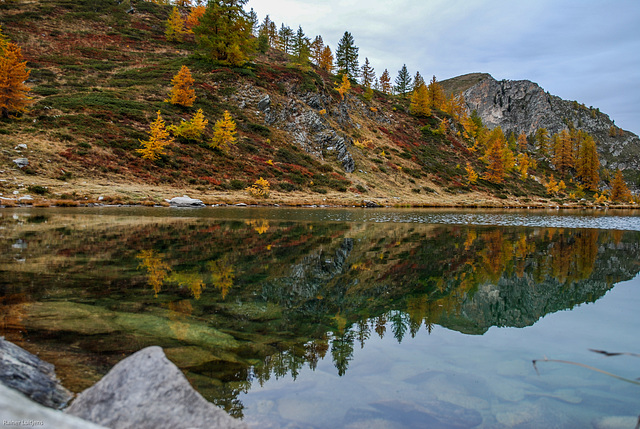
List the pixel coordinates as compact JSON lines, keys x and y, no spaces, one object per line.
{"x":317,"y":46}
{"x":264,"y":33}
{"x":224,"y":32}
{"x":13,"y":74}
{"x":252,"y":17}
{"x":420,"y":101}
{"x":326,"y":59}
{"x":417,"y":81}
{"x":403,"y":81}
{"x":300,"y":48}
{"x":158,"y":138}
{"x":385,"y":82}
{"x":182,"y":92}
{"x":285,"y":39}
{"x":224,"y":132}
{"x":368,"y":75}
{"x":175,"y":27}
{"x":619,"y":189}
{"x":347,"y":56}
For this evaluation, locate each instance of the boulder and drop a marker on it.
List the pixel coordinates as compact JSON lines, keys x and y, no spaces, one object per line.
{"x":21,"y":162}
{"x":26,"y":373}
{"x":146,"y":390}
{"x":185,"y":201}
{"x":19,"y":411}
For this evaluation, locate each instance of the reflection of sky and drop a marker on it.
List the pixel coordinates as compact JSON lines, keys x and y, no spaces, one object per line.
{"x":491,"y":373}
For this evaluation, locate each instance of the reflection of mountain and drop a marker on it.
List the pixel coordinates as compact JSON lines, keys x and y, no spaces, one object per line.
{"x":239,"y":302}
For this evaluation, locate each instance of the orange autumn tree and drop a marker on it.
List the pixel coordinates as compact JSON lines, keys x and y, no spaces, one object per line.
{"x":13,"y":74}
{"x":326,"y":59}
{"x":182,"y":92}
{"x":175,"y":27}
{"x":344,"y":86}
{"x":194,"y":16}
{"x":619,"y":189}
{"x":588,"y":163}
{"x":385,"y":82}
{"x":420,"y":101}
{"x":158,"y":138}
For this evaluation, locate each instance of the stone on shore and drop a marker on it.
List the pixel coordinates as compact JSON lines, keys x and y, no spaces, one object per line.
{"x":185,"y":201}
{"x":35,"y":378}
{"x":19,"y":411}
{"x":144,"y":391}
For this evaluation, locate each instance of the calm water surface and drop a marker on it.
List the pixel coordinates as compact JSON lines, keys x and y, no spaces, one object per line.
{"x":319,"y":318}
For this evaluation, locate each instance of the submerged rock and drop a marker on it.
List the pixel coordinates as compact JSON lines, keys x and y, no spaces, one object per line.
{"x":26,"y":373}
{"x":185,"y":201}
{"x":146,"y":390}
{"x":19,"y":411}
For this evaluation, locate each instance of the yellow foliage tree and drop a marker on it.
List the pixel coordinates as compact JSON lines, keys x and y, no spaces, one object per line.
{"x":472,"y":176}
{"x":158,"y":138}
{"x":157,"y":269}
{"x":588,"y":163}
{"x":326,"y":59}
{"x":175,"y":27}
{"x":344,"y":86}
{"x":182,"y":92}
{"x":13,"y":74}
{"x":192,"y":129}
{"x":420,"y":101}
{"x":260,"y":189}
{"x":3,"y":42}
{"x":222,"y":275}
{"x":522,"y":142}
{"x":563,"y":152}
{"x":194,"y":17}
{"x":224,"y":132}
{"x":437,"y":98}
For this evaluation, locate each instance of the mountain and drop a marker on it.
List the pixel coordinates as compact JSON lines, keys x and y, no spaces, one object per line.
{"x":523,"y":106}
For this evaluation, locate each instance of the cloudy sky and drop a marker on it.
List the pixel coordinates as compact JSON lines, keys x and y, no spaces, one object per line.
{"x":584,"y":50}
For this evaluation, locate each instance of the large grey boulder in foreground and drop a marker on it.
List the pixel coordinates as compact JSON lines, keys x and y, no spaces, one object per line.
{"x":144,"y":391}
{"x":26,"y":373}
{"x":185,"y":201}
{"x":16,"y":410}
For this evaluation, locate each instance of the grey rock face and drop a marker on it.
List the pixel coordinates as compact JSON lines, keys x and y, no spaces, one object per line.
{"x":185,"y":201}
{"x":19,"y":411}
{"x":523,"y":106}
{"x":144,"y":391}
{"x":26,"y":373}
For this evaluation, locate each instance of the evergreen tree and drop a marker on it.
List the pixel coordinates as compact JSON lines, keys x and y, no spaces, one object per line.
{"x":285,"y":39}
{"x":347,"y":56}
{"x":417,"y":81}
{"x":368,"y":75}
{"x":317,"y":46}
{"x":252,"y":17}
{"x":403,"y":81}
{"x":385,"y":82}
{"x":301,"y":48}
{"x":224,"y":32}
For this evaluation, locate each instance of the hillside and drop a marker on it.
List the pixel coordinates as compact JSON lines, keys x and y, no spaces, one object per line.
{"x":523,"y":106}
{"x":101,"y":70}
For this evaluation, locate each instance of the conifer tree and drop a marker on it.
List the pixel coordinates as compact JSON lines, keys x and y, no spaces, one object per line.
{"x":588,"y":163}
{"x":194,"y":17}
{"x":158,"y":138}
{"x":175,"y":27}
{"x":182,"y":92}
{"x":300,"y":47}
{"x":192,"y":129}
{"x":264,"y":32}
{"x":495,"y":156}
{"x":326,"y":59}
{"x":285,"y":39}
{"x":344,"y":86}
{"x":619,"y":189}
{"x":317,"y":46}
{"x":417,"y":81}
{"x":347,"y":56}
{"x":420,"y":101}
{"x":385,"y":82}
{"x":542,"y":139}
{"x":563,"y":152}
{"x":436,"y":94}
{"x":522,"y":142}
{"x":224,"y":32}
{"x":3,"y":42}
{"x":224,"y":132}
{"x":367,"y":74}
{"x":13,"y":74}
{"x":403,"y":81}
{"x":252,"y":17}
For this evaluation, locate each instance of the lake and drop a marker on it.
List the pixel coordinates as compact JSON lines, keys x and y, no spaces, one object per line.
{"x":341,"y":318}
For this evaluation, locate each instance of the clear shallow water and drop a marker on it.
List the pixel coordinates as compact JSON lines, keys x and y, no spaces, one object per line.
{"x":339,"y":318}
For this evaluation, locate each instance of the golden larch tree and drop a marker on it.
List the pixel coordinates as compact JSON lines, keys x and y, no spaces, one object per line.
{"x":158,"y":138}
{"x":224,"y":132}
{"x":194,"y":17}
{"x":563,"y":152}
{"x":522,"y":142}
{"x":495,"y":156}
{"x":192,"y":129}
{"x":385,"y":82}
{"x":13,"y":74}
{"x":588,"y":163}
{"x":326,"y":59}
{"x":420,"y":101}
{"x":619,"y":189}
{"x":175,"y":27}
{"x":182,"y":92}
{"x":437,"y":98}
{"x":344,"y":86}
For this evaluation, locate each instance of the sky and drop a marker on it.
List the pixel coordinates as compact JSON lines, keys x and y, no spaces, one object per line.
{"x":584,"y":50}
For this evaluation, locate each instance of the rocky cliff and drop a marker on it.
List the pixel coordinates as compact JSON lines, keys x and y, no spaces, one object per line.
{"x":523,"y":106}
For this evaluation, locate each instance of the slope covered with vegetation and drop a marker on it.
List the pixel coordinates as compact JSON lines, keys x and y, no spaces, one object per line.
{"x":100,"y":71}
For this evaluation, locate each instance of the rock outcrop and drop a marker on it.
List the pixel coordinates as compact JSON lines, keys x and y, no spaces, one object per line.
{"x":523,"y":106}
{"x":146,"y":390}
{"x":19,"y":411}
{"x":35,"y":378}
